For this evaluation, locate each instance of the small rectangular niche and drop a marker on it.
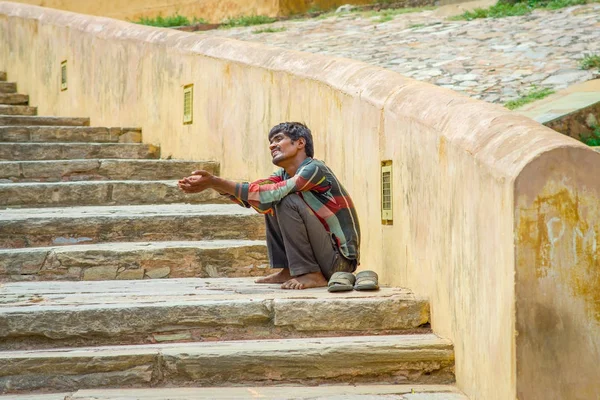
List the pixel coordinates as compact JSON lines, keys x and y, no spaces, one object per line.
{"x":188,"y":104}
{"x":63,"y":76}
{"x":387,"y":216}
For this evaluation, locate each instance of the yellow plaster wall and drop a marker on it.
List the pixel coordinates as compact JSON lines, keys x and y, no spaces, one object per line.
{"x":456,"y":160}
{"x":132,"y":10}
{"x":212,"y":10}
{"x":558,"y":276}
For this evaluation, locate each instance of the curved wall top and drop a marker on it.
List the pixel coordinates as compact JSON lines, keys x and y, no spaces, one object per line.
{"x":464,"y":233}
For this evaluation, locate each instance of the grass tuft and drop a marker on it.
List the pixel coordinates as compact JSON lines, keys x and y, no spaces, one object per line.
{"x":594,"y":138}
{"x":390,"y":13}
{"x":269,"y":30}
{"x":531,"y":96}
{"x":170,"y":21}
{"x":247,"y":21}
{"x":590,"y":61}
{"x":508,"y":9}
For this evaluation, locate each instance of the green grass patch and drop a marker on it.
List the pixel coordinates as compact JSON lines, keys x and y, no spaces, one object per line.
{"x":170,"y":21}
{"x":416,"y":26}
{"x":590,"y":61}
{"x":508,"y":9}
{"x":326,"y":15}
{"x":532,"y":95}
{"x":594,"y":138}
{"x":269,"y":30}
{"x":390,"y":13}
{"x":247,"y":21}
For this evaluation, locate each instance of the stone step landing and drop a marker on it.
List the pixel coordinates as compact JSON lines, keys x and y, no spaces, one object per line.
{"x":136,"y":260}
{"x":69,"y":134}
{"x":41,"y":227}
{"x":25,"y":120}
{"x":8,"y":87}
{"x":325,"y":392}
{"x":69,"y":151}
{"x":95,"y":193}
{"x":14,"y":99}
{"x":69,"y":314}
{"x":421,"y":359}
{"x":94,"y":169}
{"x":17,"y":110}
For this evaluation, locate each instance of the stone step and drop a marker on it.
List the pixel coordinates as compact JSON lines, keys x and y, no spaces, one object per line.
{"x":14,"y":99}
{"x":42,"y":121}
{"x":324,"y":392}
{"x":8,"y":87}
{"x":421,"y":359}
{"x":67,"y":314}
{"x":17,"y":110}
{"x":69,"y":151}
{"x":43,"y":227}
{"x":68,"y":134}
{"x":2,"y":76}
{"x":49,"y":396}
{"x":98,"y":193}
{"x":137,"y":260}
{"x":94,"y":169}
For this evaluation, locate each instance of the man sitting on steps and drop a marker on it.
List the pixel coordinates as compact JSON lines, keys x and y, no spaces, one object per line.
{"x":312,"y":226}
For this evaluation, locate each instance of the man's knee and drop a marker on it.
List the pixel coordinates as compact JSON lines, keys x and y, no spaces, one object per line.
{"x":291,"y":201}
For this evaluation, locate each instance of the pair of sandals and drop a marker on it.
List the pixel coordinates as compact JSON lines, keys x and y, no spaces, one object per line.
{"x":346,"y":281}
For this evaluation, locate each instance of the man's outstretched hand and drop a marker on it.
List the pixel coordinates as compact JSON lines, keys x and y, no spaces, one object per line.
{"x":198,"y":182}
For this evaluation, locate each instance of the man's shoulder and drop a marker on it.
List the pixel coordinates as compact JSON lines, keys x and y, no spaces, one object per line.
{"x":312,"y":163}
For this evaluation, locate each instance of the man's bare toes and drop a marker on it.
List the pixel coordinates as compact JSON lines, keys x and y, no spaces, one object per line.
{"x":295,"y":285}
{"x":286,"y":284}
{"x":290,"y":284}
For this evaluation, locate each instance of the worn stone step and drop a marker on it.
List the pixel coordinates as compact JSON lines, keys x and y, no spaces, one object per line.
{"x":96,"y":193}
{"x":69,"y":151}
{"x":94,"y":169}
{"x":422,"y":359}
{"x":60,"y":314}
{"x":68,"y":134}
{"x":324,"y":392}
{"x":85,"y":225}
{"x":136,"y":260}
{"x":14,"y":99}
{"x":17,"y":110}
{"x":29,"y":121}
{"x":8,"y":87}
{"x":31,"y":396}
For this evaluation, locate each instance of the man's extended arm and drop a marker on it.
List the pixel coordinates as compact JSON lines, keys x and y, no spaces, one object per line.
{"x":262,"y":194}
{"x":201,"y":180}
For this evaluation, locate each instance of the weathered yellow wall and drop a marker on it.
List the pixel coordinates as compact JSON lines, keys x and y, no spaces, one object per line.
{"x":132,"y":10}
{"x":458,"y":197}
{"x":212,"y":10}
{"x":558,"y":276}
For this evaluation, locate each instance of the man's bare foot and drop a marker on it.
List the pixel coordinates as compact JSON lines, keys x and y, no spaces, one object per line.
{"x":310,"y":280}
{"x":281,"y":276}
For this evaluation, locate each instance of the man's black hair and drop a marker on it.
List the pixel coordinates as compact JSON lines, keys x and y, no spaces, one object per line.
{"x":295,"y":131}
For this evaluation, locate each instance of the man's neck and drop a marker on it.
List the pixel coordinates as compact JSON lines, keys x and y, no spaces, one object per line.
{"x":293,"y":165}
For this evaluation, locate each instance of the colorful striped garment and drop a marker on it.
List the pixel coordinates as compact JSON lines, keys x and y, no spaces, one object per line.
{"x":321,"y":191}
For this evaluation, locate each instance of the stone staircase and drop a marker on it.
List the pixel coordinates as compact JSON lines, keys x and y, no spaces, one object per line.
{"x":91,"y":218}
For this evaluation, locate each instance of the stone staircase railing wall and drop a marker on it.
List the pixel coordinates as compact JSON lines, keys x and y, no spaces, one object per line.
{"x":214,"y":11}
{"x":494,"y":218}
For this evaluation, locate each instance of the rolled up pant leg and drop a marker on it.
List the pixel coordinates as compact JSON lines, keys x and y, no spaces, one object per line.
{"x":297,"y":240}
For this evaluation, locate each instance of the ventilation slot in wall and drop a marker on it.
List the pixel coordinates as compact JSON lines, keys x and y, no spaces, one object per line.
{"x":386,"y":193}
{"x":63,"y":75}
{"x":188,"y":104}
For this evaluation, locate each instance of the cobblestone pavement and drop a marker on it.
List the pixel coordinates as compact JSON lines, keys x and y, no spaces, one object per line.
{"x":496,"y":60}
